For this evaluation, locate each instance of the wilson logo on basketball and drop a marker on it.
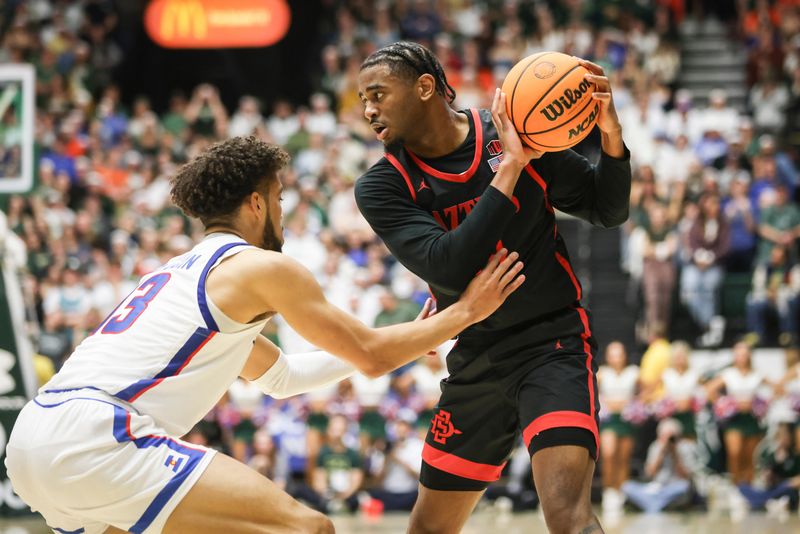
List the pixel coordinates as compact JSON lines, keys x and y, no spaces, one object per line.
{"x":564,"y":102}
{"x":442,"y":427}
{"x":581,"y":127}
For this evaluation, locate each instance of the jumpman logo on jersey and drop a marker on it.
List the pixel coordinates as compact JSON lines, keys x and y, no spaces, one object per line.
{"x":422,"y":186}
{"x":558,"y":345}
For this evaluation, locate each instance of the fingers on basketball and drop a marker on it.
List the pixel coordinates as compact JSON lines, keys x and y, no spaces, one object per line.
{"x":594,"y":67}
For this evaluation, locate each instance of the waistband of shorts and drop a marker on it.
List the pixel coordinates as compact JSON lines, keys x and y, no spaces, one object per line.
{"x":54,"y":397}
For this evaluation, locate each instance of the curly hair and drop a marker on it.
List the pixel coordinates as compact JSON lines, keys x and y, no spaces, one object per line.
{"x":213,"y":185}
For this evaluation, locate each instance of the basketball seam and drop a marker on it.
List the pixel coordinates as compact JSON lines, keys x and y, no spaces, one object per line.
{"x":516,"y":83}
{"x":590,"y":102}
{"x":533,"y":107}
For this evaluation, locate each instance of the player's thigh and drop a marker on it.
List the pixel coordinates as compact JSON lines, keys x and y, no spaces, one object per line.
{"x":563,"y":478}
{"x":231,"y":497}
{"x":442,"y":512}
{"x":557,"y":399}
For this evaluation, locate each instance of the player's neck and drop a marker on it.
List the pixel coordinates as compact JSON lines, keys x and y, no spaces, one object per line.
{"x":223,"y":229}
{"x":443,"y":132}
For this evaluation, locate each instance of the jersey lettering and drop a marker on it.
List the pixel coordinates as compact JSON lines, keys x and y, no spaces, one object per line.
{"x":119,"y":322}
{"x":450,"y":217}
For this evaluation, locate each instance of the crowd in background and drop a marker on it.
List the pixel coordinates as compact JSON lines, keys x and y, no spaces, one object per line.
{"x":714,"y":195}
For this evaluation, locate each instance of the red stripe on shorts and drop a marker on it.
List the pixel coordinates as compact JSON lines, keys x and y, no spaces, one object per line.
{"x":450,"y":463}
{"x":561,"y":419}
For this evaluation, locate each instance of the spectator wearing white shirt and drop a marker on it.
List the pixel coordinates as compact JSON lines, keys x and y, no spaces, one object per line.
{"x":247,"y":118}
{"x":282,"y":123}
{"x":683,"y":119}
{"x":742,"y":430}
{"x":617,"y":383}
{"x":108,"y":292}
{"x":769,"y":99}
{"x":303,"y":245}
{"x":680,"y":388}
{"x":400,"y":475}
{"x":311,"y":160}
{"x":321,"y":119}
{"x":673,"y":163}
{"x":719,"y":116}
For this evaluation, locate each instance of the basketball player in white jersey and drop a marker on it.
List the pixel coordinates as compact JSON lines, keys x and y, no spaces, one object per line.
{"x":98,"y":449}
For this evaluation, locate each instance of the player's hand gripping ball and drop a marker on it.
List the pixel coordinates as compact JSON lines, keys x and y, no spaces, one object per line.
{"x":549,"y":100}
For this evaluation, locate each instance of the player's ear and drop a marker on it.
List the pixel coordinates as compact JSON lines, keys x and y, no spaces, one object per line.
{"x":426,"y":87}
{"x":254,"y":202}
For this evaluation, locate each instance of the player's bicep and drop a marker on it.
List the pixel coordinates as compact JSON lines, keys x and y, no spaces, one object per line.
{"x":298,"y":297}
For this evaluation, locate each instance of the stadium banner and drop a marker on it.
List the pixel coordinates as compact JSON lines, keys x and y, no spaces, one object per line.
{"x":17,"y":94}
{"x":217,"y":23}
{"x":17,"y":378}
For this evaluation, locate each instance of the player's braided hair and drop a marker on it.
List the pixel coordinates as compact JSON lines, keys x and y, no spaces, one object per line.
{"x":214,"y":184}
{"x":412,"y":60}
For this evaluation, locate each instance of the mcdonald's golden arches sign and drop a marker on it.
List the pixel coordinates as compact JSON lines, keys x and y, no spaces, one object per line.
{"x":217,"y":23}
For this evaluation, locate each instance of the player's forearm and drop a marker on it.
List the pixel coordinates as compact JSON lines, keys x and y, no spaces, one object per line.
{"x":393,"y":346}
{"x":612,"y":143}
{"x":612,"y":190}
{"x":449,"y":260}
{"x":505,"y":180}
{"x":294,"y":374}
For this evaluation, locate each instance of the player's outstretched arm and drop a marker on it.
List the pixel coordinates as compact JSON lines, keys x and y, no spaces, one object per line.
{"x":288,"y":288}
{"x":286,"y":375}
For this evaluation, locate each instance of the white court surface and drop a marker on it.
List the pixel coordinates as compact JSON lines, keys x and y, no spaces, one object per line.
{"x":488,"y":522}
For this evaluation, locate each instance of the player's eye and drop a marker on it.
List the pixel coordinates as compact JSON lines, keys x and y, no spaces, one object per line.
{"x":378,"y":96}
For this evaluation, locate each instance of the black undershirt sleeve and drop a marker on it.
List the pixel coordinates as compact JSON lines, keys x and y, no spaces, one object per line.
{"x":448,"y":260}
{"x":599,"y":194}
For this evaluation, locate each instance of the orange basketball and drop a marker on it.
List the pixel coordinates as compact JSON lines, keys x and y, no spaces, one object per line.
{"x":549,"y":101}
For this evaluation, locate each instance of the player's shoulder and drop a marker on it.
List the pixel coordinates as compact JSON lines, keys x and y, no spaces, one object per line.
{"x":255,"y":262}
{"x":255,"y":266}
{"x":381,"y":171}
{"x":381,"y":178}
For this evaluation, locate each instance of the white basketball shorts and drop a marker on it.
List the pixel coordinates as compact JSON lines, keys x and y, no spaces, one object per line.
{"x":86,"y":460}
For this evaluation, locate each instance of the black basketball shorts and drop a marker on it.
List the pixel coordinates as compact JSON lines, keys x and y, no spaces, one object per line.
{"x":539,"y":382}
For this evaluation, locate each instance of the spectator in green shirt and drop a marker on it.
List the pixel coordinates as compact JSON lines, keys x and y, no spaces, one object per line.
{"x":780,"y":463}
{"x":393,"y":310}
{"x":338,"y":474}
{"x":780,"y":225}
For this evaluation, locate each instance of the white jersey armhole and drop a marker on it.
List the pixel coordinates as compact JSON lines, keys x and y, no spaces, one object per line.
{"x":224,"y":322}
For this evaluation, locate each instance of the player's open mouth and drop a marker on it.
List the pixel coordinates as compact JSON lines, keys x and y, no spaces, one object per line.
{"x":381,"y":130}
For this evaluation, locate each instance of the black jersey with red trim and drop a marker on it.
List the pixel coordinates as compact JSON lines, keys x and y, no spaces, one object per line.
{"x":442,"y":220}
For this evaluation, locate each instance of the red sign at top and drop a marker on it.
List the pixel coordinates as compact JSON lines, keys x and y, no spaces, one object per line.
{"x":217,"y":23}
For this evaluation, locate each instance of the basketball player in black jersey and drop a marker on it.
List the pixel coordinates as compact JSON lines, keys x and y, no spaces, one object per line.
{"x":454,"y":187}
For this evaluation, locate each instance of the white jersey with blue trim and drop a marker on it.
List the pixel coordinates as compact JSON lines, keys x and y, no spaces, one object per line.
{"x":166,"y":349}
